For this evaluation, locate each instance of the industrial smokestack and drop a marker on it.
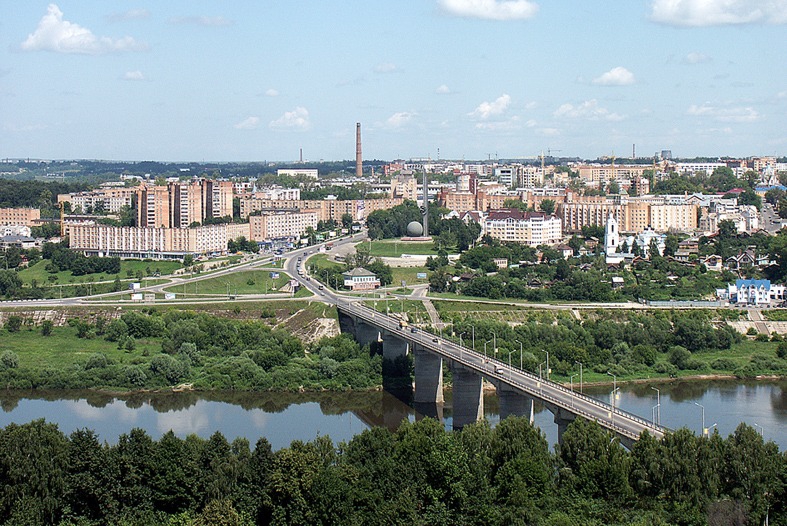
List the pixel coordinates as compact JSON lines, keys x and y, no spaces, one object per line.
{"x":358,"y":156}
{"x":301,"y":157}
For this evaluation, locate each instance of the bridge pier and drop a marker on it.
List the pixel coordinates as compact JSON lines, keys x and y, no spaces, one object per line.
{"x":513,"y":402}
{"x":393,"y":347}
{"x":428,"y":377}
{"x":468,"y":396}
{"x":562,"y":418}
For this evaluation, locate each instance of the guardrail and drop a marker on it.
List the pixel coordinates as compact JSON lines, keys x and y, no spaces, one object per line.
{"x":444,"y":347}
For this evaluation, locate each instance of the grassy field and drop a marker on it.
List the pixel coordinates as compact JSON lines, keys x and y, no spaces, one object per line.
{"x":247,"y":282}
{"x":409,"y":275}
{"x":128,"y":270}
{"x":63,"y":349}
{"x":394,"y":249}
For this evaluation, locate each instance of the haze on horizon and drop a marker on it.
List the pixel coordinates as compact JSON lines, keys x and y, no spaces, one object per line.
{"x":455,"y":79}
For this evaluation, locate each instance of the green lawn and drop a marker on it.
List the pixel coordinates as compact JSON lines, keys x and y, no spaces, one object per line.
{"x":128,"y":270}
{"x":247,"y":282}
{"x":62,"y":348}
{"x":409,"y":275}
{"x":394,"y":249}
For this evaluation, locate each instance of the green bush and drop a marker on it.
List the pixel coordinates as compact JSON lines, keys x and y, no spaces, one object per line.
{"x":9,"y":360}
{"x":723,"y":364}
{"x":96,"y":361}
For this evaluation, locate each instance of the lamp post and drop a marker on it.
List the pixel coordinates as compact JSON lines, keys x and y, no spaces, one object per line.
{"x":509,"y":364}
{"x":614,"y":386}
{"x":571,"y":381}
{"x":485,"y":355}
{"x":547,"y":353}
{"x":704,"y":431}
{"x":473,"y":327}
{"x":762,"y":429}
{"x":494,"y":342}
{"x":658,"y":405}
{"x":580,"y":376}
{"x":520,"y":355}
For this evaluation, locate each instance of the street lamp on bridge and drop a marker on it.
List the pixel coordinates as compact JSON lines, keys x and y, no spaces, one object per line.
{"x":520,"y":354}
{"x":580,"y":376}
{"x":704,"y":431}
{"x":658,"y":406}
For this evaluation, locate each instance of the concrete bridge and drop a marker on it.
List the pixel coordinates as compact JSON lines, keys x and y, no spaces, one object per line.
{"x":516,"y":389}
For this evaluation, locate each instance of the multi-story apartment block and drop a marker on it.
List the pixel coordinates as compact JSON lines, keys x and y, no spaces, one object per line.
{"x":186,"y":203}
{"x":680,"y":218}
{"x":307,"y":172}
{"x":277,"y":225}
{"x":110,"y":198}
{"x":154,"y":242}
{"x":327,"y":209}
{"x":217,"y":198}
{"x":153,"y":206}
{"x":404,"y":186}
{"x":529,"y":228}
{"x":596,"y":175}
{"x":19,"y":216}
{"x":578,"y":211}
{"x":181,"y":203}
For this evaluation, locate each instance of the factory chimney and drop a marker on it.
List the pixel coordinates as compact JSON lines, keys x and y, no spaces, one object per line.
{"x":358,"y":156}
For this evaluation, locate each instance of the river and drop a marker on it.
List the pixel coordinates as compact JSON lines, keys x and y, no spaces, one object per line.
{"x":284,"y":417}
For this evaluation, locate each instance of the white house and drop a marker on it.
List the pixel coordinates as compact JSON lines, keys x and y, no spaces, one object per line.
{"x":360,"y":279}
{"x":753,"y":292}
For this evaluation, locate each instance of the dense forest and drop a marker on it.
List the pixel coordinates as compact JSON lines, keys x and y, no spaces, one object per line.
{"x":420,"y":474}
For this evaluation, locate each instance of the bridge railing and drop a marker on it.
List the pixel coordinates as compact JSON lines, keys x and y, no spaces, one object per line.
{"x":373,"y":315}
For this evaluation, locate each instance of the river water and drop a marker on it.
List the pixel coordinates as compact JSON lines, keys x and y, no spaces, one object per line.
{"x":284,"y":417}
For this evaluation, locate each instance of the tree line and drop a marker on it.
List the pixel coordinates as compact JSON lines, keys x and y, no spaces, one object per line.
{"x":155,"y":350}
{"x":420,"y":474}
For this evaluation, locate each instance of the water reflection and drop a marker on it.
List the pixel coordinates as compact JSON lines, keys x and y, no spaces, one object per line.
{"x":284,"y":417}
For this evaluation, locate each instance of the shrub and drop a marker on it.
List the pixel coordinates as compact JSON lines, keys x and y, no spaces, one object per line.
{"x":777,"y":337}
{"x":46,"y":327}
{"x":666,"y":368}
{"x":751,"y":331}
{"x":96,"y":361}
{"x":723,"y":364}
{"x":781,"y":351}
{"x":9,"y":359}
{"x":679,"y":356}
{"x":762,"y":338}
{"x":13,"y":324}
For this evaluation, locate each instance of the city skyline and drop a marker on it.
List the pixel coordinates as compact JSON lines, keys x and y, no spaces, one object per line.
{"x":451,"y":79}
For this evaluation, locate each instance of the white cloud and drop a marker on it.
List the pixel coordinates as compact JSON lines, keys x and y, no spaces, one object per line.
{"x":206,"y":21}
{"x":696,"y":57}
{"x":132,"y":14}
{"x":549,"y":132}
{"x":589,"y":110}
{"x":739,"y":114}
{"x":297,"y":119}
{"x":490,"y":9}
{"x":496,"y":107}
{"x":718,"y":12}
{"x":61,"y":36}
{"x":249,"y":123}
{"x":618,"y":76}
{"x":133,"y":75}
{"x":271,"y":93}
{"x":385,"y":67}
{"x":399,"y":119}
{"x":442,"y":90}
{"x":510,"y":124}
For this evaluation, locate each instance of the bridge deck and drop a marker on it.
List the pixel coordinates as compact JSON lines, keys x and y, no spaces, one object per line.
{"x":626,"y":424}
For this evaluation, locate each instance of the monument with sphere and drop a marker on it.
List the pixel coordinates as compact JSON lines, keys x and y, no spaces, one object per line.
{"x":420,"y":231}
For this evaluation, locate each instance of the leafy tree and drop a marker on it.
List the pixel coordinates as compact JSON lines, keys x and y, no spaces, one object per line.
{"x":547,"y":206}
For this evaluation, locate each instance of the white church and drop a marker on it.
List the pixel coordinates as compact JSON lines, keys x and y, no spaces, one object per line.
{"x":613,"y":242}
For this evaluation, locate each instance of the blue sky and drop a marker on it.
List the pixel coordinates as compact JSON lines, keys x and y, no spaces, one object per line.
{"x":258,"y":80}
